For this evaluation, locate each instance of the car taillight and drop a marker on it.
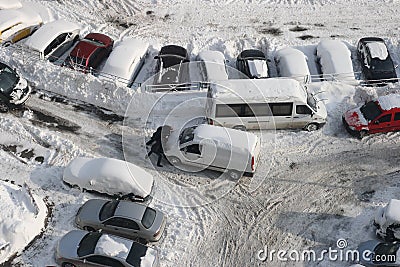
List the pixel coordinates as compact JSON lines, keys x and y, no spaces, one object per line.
{"x":252,"y":163}
{"x":210,"y":121}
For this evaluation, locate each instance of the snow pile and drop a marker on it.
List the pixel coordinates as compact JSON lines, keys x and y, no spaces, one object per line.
{"x":392,"y":212}
{"x":388,"y":102}
{"x":113,"y":246}
{"x":378,"y":50}
{"x":23,"y":217}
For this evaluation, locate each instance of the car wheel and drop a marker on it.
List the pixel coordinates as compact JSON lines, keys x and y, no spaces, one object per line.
{"x":362,"y":134}
{"x":240,"y":128}
{"x":174,"y":160}
{"x":312,"y":127}
{"x":89,"y":229}
{"x":67,"y":264}
{"x":234,"y":175}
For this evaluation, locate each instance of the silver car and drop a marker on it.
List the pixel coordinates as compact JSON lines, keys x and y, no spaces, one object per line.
{"x":121,"y":218}
{"x":82,"y":248}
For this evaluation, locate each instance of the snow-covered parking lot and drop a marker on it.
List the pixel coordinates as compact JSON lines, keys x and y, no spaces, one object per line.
{"x":311,"y":188}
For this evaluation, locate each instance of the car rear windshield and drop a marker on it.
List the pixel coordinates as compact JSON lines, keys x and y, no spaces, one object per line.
{"x":137,"y":254}
{"x":382,"y":65}
{"x":108,"y":210}
{"x":8,"y":79}
{"x":148,"y":217}
{"x":171,"y":60}
{"x":370,"y":110}
{"x":94,"y":41}
{"x":88,"y":244}
{"x":72,"y":60}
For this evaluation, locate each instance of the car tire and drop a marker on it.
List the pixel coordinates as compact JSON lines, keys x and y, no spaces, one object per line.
{"x":240,"y":128}
{"x":89,"y":229}
{"x":362,"y":134}
{"x":67,"y":264}
{"x":174,"y":160}
{"x":234,"y":175}
{"x":312,"y":127}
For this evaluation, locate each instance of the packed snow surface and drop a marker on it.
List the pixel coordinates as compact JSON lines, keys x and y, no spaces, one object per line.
{"x":390,"y":101}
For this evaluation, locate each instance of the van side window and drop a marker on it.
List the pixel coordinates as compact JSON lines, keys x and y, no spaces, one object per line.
{"x":386,"y":118}
{"x":194,"y":149}
{"x":223,"y":110}
{"x":303,"y":109}
{"x":261,"y":109}
{"x":397,"y":116}
{"x":281,"y":109}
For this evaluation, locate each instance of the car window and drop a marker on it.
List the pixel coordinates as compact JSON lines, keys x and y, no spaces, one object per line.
{"x":397,"y":116}
{"x":108,"y":210}
{"x":303,"y":109}
{"x":385,"y":118}
{"x":370,"y":110}
{"x":123,"y":223}
{"x":281,"y":109}
{"x":104,"y":261}
{"x":88,"y":244}
{"x":194,"y":149}
{"x":148,"y":217}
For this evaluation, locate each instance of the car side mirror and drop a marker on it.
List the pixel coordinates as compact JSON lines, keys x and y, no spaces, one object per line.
{"x":396,"y":66}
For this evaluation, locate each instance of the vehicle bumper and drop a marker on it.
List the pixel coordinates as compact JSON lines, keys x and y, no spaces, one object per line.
{"x":348,"y":129}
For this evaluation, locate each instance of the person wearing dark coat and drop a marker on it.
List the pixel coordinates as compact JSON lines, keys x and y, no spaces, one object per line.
{"x":158,"y":139}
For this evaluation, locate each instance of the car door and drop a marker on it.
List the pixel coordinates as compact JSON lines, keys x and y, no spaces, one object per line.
{"x":396,"y":121}
{"x":302,"y":116}
{"x":121,"y":226}
{"x":381,"y":124}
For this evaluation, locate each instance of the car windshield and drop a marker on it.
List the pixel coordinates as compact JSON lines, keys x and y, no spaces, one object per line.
{"x":148,"y":217}
{"x":170,"y":60}
{"x":8,"y":79}
{"x":312,"y":102}
{"x":108,"y":210}
{"x":94,"y":41}
{"x":72,"y":60}
{"x":370,"y":110}
{"x":186,"y":135}
{"x":88,"y":244}
{"x":137,"y":255}
{"x":382,"y":65}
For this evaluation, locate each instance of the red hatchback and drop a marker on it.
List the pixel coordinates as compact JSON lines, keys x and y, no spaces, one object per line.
{"x":90,"y":52}
{"x":378,"y":116}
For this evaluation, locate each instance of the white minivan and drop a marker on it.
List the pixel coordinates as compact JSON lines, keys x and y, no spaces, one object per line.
{"x":217,"y":148}
{"x":263,"y":104}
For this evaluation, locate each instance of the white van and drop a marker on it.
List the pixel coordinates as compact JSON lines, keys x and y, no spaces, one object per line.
{"x":216,"y":148}
{"x":263,"y":104}
{"x":212,"y":66}
{"x":291,"y":62}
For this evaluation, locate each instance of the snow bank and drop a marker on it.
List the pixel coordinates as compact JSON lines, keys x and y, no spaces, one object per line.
{"x":6,"y":4}
{"x":388,"y":102}
{"x":23,"y":217}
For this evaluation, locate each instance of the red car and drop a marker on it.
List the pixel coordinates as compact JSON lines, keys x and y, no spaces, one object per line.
{"x":378,"y":116}
{"x":90,"y":52}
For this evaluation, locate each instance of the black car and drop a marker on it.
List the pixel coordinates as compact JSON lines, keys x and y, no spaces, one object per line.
{"x":377,"y":65}
{"x":253,"y":63}
{"x":169,"y":65}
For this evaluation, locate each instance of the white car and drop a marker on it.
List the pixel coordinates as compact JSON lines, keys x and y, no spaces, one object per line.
{"x":291,"y":62}
{"x":334,"y":59}
{"x":16,"y":24}
{"x":109,"y":176}
{"x":212,"y":65}
{"x":125,"y":60}
{"x":8,"y":4}
{"x":387,"y":221}
{"x":53,"y":39}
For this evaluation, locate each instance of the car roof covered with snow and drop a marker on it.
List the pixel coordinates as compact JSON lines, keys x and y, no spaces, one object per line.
{"x":48,"y":32}
{"x":6,"y":4}
{"x":335,"y":60}
{"x":10,"y":17}
{"x":389,"y":102}
{"x":273,"y":89}
{"x":214,"y":63}
{"x":222,"y":136}
{"x":125,"y":58}
{"x":292,"y":63}
{"x":110,"y":176}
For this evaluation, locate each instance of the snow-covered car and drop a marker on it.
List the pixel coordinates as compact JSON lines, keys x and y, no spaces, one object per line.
{"x":169,"y":64}
{"x":377,"y":253}
{"x":212,"y":65}
{"x":90,"y":52}
{"x":334,"y":61}
{"x":8,"y":4}
{"x":291,"y":62}
{"x":126,"y":60}
{"x":376,"y":62}
{"x":14,"y":90}
{"x":109,"y":176}
{"x":53,"y":39}
{"x":82,"y":248}
{"x":122,"y":218}
{"x":387,"y":221}
{"x":253,"y":63}
{"x":17,"y":24}
{"x":377,"y":116}
{"x":222,"y":149}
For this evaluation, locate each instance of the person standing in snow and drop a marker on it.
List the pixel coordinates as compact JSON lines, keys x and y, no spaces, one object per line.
{"x":157,"y":141}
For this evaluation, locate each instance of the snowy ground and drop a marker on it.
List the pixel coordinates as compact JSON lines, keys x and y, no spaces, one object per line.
{"x":310,"y":189}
